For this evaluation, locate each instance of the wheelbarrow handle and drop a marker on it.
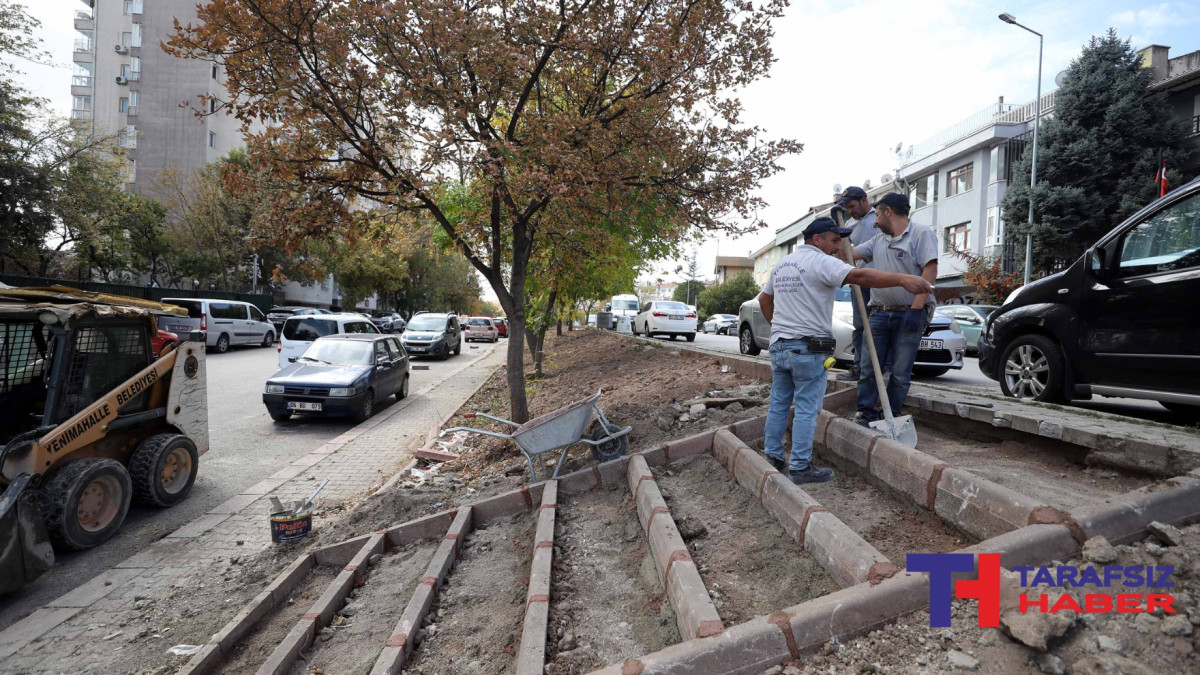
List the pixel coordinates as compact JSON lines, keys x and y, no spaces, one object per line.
{"x":616,"y":434}
{"x":473,"y":415}
{"x":472,"y":430}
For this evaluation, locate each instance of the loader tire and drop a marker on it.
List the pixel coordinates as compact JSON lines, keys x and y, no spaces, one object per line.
{"x":163,"y":469}
{"x":84,"y":502}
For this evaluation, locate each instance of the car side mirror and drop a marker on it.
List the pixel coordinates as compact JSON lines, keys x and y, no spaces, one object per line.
{"x":1096,"y":260}
{"x":291,"y":359}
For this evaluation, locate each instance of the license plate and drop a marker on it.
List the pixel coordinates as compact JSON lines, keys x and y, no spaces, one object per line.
{"x":931,"y":344}
{"x":304,"y":405}
{"x":415,"y":349}
{"x":176,"y":329}
{"x":676,"y":317}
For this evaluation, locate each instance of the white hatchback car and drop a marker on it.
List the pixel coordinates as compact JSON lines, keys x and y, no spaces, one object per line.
{"x":665,"y":317}
{"x":301,"y":331}
{"x":481,"y":328}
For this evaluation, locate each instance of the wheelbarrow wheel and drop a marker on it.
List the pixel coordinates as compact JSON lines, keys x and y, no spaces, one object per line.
{"x":606,"y":452}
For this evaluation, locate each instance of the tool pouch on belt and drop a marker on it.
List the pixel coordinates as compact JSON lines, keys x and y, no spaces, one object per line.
{"x":820,"y":345}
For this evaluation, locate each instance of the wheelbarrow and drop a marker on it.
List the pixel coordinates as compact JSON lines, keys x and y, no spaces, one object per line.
{"x":561,"y":428}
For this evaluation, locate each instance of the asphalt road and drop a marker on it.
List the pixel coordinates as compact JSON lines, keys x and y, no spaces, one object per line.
{"x":970,"y":377}
{"x":246,"y":447}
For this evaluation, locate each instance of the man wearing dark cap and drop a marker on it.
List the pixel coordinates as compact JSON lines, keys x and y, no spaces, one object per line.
{"x":797,"y":301}
{"x":898,"y":317}
{"x":854,"y":200}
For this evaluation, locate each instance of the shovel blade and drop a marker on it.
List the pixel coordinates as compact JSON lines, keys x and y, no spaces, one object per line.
{"x":905,"y":430}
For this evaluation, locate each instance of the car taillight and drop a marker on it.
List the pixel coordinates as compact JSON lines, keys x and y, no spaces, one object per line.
{"x":691,"y":316}
{"x":660,"y":314}
{"x":203,"y":321}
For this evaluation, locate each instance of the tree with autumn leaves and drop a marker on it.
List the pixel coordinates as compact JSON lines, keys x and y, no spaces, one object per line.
{"x":540,"y":116}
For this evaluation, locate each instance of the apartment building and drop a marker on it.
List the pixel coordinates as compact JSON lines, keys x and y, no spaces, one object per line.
{"x":124,"y":83}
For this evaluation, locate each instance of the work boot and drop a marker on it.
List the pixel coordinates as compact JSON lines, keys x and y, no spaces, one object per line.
{"x":862,"y":419}
{"x":779,"y":464}
{"x":811,"y":474}
{"x":848,"y":376}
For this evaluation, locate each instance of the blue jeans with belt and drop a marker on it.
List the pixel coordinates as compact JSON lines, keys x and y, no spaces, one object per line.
{"x":857,"y":336}
{"x":797,"y":376}
{"x":897,"y":337}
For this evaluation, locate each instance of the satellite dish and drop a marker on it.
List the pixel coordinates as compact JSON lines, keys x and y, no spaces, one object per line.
{"x":837,"y":188}
{"x":867,"y":184}
{"x":1060,"y":78}
{"x":885,"y":178}
{"x":898,"y":146}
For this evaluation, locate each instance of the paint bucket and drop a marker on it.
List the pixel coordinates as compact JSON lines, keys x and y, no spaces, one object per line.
{"x":288,"y":526}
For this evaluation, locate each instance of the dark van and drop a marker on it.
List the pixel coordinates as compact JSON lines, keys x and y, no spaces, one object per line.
{"x":1121,"y":321}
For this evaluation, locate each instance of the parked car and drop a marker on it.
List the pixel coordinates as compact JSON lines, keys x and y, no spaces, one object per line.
{"x":1120,"y":321}
{"x":389,"y":322}
{"x":665,"y":317}
{"x":623,"y":306}
{"x":277,"y":315}
{"x":501,"y":326}
{"x":481,"y":328}
{"x":941,"y":349}
{"x":225,"y":322}
{"x":301,"y":331}
{"x":161,"y":340}
{"x":721,"y":324}
{"x":341,"y":375}
{"x":433,"y":334}
{"x":970,"y":318}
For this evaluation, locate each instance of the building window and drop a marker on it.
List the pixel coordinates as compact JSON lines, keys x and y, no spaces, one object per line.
{"x":82,"y":75}
{"x":958,"y":237}
{"x":133,"y":6}
{"x":81,"y":108}
{"x":123,"y":105}
{"x":125,"y":70}
{"x":212,"y":105}
{"x":128,"y":137}
{"x":998,"y":164}
{"x":127,"y":40}
{"x":134,"y":98}
{"x":135,"y":68}
{"x":212,"y":139}
{"x":995,"y":227}
{"x":923,"y":191}
{"x":136,"y":40}
{"x":129,"y":175}
{"x":83,"y":41}
{"x":214,"y":71}
{"x":958,"y":180}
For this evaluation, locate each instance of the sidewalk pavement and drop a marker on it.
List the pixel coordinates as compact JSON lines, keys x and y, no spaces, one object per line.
{"x":110,"y":624}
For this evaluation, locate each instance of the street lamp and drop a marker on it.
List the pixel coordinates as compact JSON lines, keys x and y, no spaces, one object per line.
{"x":1037,"y":118}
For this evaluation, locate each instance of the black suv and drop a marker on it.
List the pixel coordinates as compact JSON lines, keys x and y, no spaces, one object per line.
{"x":1121,"y":321}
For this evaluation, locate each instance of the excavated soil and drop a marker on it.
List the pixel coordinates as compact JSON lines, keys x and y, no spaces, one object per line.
{"x":1090,"y":644}
{"x":474,"y":628}
{"x":891,"y":527}
{"x":361,"y":628}
{"x":252,"y":650}
{"x":1058,"y":479}
{"x":606,"y":602}
{"x":748,"y":563}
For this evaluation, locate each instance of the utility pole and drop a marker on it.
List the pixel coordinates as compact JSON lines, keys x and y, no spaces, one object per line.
{"x":1037,"y":118}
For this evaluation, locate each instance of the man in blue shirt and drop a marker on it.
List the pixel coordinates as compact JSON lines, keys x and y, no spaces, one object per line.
{"x":862,"y":228}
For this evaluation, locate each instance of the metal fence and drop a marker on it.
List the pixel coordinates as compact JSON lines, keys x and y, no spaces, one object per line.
{"x":261,"y":300}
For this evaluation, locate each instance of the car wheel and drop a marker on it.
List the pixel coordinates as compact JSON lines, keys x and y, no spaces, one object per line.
{"x":458,"y":348}
{"x":84,"y":502}
{"x":222,"y":345}
{"x":163,"y":469}
{"x":930,"y":372}
{"x":367,"y":408}
{"x":746,"y":342}
{"x":1188,"y":414}
{"x":268,"y":339}
{"x":402,"y":393}
{"x":280,"y":417}
{"x":704,"y":329}
{"x":1033,"y":368}
{"x":691,"y":337}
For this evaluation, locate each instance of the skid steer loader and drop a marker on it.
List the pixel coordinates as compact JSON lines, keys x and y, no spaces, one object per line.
{"x":90,"y":421}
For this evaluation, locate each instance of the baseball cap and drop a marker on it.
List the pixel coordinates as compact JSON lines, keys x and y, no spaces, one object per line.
{"x":852,"y":193}
{"x":823,"y":225}
{"x":894,"y":200}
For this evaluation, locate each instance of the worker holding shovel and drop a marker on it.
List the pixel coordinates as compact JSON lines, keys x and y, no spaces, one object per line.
{"x":797,"y":301}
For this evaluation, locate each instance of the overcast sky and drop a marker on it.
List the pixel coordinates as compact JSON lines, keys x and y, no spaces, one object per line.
{"x":853,"y":79}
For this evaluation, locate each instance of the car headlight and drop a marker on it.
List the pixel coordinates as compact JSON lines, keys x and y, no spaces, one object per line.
{"x":343,"y":391}
{"x":844,"y":315}
{"x":274,"y":388}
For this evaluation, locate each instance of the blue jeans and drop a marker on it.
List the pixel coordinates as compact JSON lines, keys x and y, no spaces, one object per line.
{"x":856,"y":336}
{"x":797,"y":376}
{"x":896,"y":343}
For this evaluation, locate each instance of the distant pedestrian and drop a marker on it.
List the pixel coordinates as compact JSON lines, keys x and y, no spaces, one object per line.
{"x":797,"y":301}
{"x":862,"y":227}
{"x":898,"y":317}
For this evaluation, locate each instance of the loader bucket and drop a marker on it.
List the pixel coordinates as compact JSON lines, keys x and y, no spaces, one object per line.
{"x":25,"y":551}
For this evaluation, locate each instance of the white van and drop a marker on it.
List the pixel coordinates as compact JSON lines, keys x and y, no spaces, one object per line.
{"x":301,"y":331}
{"x":226,"y":322}
{"x":623,"y":305}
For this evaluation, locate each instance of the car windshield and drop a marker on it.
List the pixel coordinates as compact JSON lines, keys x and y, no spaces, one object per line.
{"x":479,"y":322}
{"x":672,"y":305}
{"x":427,"y":323}
{"x":625,"y":305}
{"x":344,"y":352}
{"x":308,"y":329}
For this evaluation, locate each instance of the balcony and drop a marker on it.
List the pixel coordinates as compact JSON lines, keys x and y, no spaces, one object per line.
{"x":84,"y":46}
{"x":997,"y":113}
{"x":84,"y":20}
{"x":132,"y":111}
{"x":81,"y":81}
{"x":81,"y":114}
{"x":133,"y":6}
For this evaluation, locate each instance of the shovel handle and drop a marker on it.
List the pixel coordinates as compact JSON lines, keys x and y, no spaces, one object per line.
{"x":848,"y":253}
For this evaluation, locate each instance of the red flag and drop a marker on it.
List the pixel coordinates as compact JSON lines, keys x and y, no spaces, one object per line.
{"x":1161,"y":179}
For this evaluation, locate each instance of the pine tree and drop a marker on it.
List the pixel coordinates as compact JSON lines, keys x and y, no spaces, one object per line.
{"x":1097,"y":153}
